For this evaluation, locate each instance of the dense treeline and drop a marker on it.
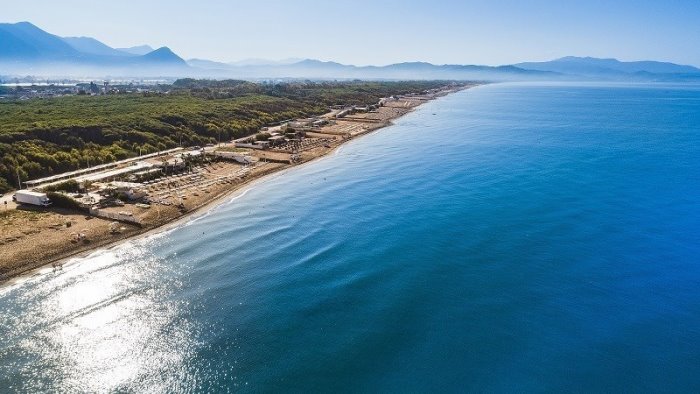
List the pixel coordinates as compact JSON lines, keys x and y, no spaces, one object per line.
{"x":324,"y":93}
{"x":41,"y":137}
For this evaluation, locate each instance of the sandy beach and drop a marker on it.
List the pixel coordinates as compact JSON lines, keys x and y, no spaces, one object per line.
{"x":32,"y":239}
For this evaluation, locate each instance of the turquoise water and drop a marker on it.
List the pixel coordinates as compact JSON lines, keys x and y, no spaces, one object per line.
{"x":506,"y":238}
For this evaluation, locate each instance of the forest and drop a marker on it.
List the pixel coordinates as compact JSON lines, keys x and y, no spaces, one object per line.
{"x":41,"y":137}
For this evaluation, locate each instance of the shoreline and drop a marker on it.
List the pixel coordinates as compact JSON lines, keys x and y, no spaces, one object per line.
{"x":16,"y":276}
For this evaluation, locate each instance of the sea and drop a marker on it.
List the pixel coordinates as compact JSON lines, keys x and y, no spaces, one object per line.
{"x":507,"y":238}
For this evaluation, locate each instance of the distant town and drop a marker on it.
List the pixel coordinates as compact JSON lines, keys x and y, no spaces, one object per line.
{"x":29,"y":88}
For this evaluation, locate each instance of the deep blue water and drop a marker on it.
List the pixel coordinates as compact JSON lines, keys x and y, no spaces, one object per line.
{"x":506,"y":238}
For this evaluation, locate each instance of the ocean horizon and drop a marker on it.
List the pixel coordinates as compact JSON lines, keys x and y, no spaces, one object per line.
{"x":510,"y":237}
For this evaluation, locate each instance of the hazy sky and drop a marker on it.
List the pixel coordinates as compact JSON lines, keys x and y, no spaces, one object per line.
{"x":381,"y":31}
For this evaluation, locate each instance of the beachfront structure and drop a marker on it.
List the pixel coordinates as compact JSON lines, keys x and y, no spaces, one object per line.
{"x":104,"y":176}
{"x":102,"y":168}
{"x":146,"y":174}
{"x":304,"y":123}
{"x":385,"y":100}
{"x":343,"y":113}
{"x":133,"y":191}
{"x":235,"y":156}
{"x":295,"y":133}
{"x":277,"y":140}
{"x":301,"y":123}
{"x":253,"y":145}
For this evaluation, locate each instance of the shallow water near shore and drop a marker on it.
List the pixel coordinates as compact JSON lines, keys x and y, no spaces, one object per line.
{"x":511,"y":237}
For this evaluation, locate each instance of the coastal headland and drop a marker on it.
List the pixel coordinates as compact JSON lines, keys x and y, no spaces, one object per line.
{"x":184,"y":182}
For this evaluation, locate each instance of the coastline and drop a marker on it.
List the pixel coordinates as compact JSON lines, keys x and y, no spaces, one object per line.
{"x":226,"y":194}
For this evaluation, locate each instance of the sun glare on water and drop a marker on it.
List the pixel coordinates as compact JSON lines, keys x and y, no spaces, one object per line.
{"x":103,"y":324}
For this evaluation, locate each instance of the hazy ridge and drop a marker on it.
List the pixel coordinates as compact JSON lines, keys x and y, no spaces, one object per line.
{"x":26,"y":50}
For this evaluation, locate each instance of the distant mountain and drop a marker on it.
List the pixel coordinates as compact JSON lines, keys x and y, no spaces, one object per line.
{"x":612,"y":68}
{"x":317,"y":69}
{"x":311,"y":68}
{"x":208,"y":64}
{"x":26,"y":49}
{"x":457,"y":71}
{"x":163,"y":55}
{"x":23,"y":40}
{"x":137,"y":50}
{"x":92,"y":46}
{"x":212,"y":65}
{"x":264,"y":62}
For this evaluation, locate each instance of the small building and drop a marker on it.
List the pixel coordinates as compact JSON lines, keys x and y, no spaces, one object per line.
{"x":146,"y":175}
{"x":297,"y":124}
{"x":235,"y":156}
{"x":296,"y":134}
{"x":133,"y":191}
{"x":253,"y":145}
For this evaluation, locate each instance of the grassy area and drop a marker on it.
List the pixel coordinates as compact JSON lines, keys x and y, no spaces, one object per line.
{"x":41,"y":137}
{"x":7,"y":216}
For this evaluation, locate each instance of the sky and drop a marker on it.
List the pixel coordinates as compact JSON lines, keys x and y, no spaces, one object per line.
{"x":365,"y":32}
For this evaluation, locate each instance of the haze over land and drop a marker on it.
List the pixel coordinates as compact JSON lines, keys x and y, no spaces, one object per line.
{"x":27,"y":50}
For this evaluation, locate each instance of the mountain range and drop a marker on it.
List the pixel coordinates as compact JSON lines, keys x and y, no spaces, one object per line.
{"x":589,"y":66}
{"x":28,"y":50}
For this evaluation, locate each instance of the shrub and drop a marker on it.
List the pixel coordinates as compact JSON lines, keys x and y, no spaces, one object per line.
{"x":262,"y":136}
{"x":60,"y":200}
{"x":70,"y":186}
{"x":4,"y":186}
